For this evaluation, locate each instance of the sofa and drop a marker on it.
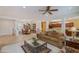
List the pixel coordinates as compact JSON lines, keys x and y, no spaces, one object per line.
{"x":52,"y":37}
{"x":71,"y":50}
{"x":72,"y":46}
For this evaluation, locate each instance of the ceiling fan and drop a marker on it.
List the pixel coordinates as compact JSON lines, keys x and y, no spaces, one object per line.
{"x":48,"y":10}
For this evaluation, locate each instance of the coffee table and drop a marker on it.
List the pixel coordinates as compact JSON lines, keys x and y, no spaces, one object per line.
{"x":29,"y":47}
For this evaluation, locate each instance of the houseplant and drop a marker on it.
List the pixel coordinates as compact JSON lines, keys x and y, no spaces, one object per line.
{"x":35,"y":41}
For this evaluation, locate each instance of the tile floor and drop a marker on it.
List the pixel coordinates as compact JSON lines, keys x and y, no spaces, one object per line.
{"x":11,"y":44}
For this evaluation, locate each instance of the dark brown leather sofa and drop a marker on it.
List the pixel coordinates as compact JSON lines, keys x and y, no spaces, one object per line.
{"x":72,"y":46}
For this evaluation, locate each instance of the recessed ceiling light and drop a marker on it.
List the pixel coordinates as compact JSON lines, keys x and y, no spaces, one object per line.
{"x":24,"y":6}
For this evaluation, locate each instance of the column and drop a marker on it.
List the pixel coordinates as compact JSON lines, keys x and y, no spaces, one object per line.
{"x":63,"y":26}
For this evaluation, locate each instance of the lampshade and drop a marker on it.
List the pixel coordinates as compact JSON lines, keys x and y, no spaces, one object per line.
{"x":73,"y":29}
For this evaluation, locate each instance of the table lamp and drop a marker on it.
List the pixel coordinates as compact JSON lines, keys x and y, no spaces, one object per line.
{"x":73,"y":31}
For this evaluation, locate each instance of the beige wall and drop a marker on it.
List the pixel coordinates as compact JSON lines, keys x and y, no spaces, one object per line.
{"x":6,"y":27}
{"x":76,"y":23}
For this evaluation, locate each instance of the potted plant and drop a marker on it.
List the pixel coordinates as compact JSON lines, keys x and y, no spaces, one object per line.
{"x":35,"y":41}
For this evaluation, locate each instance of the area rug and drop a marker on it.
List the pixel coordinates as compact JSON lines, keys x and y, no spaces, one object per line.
{"x":44,"y":50}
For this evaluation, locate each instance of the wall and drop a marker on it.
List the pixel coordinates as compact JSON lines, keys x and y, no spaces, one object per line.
{"x":6,"y":27}
{"x":9,"y":26}
{"x":38,"y":23}
{"x":76,"y":23}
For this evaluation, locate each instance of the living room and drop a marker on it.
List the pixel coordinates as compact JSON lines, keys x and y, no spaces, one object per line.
{"x":56,"y":28}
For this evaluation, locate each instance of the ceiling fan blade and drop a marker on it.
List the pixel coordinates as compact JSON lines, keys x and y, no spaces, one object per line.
{"x":49,"y":12}
{"x":54,"y":10}
{"x":45,"y":12}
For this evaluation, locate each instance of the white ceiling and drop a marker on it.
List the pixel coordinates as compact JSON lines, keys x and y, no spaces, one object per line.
{"x":32,"y":12}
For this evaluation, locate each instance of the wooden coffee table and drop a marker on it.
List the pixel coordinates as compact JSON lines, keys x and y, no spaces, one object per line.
{"x":29,"y":47}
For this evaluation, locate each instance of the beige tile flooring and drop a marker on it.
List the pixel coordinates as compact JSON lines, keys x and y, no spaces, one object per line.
{"x":12,"y":40}
{"x":7,"y":39}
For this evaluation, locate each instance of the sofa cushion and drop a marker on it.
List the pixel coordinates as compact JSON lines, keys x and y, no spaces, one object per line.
{"x":54,"y":34}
